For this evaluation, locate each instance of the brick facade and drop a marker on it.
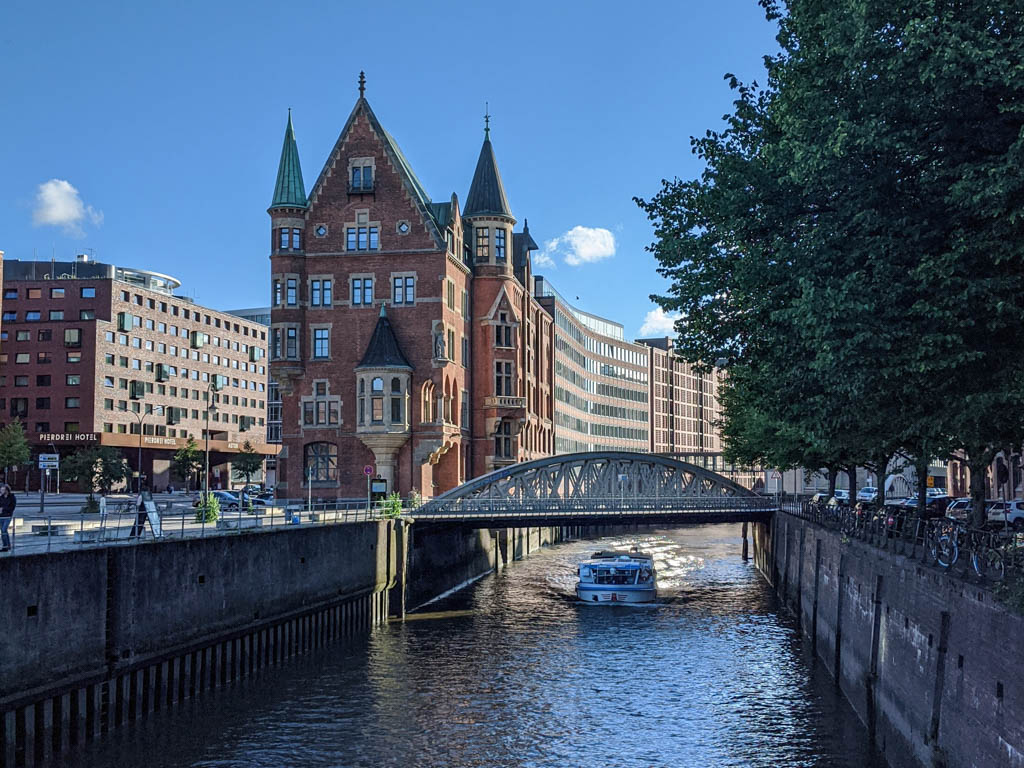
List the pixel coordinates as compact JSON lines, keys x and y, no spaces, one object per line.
{"x":76,"y":343}
{"x":380,"y":225}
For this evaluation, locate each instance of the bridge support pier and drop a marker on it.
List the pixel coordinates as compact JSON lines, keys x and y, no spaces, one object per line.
{"x":746,"y":553}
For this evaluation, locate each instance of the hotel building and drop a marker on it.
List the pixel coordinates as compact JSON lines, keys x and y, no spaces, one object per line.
{"x":96,"y":354}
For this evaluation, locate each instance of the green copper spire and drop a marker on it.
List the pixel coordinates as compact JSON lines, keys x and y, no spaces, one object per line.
{"x":289,"y":191}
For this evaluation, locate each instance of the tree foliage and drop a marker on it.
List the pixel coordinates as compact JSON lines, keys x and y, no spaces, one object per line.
{"x":14,"y":450}
{"x":96,"y":467}
{"x":853,"y":250}
{"x":247,"y":462}
{"x":187,"y":461}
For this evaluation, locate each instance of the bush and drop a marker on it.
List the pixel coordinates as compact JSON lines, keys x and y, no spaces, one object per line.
{"x":415,"y":500}
{"x":208,"y":509}
{"x":92,"y":506}
{"x":393,"y":505}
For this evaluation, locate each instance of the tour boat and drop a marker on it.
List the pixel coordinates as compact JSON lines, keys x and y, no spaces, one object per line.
{"x":617,"y":577}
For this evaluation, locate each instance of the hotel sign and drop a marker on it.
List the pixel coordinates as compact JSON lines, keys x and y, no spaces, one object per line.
{"x":67,"y":437}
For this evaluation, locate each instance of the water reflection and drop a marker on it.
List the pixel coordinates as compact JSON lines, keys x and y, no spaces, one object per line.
{"x":514,"y":671}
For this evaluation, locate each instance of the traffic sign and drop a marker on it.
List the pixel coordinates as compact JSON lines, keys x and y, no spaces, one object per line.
{"x":49,"y":460}
{"x":775,"y":475}
{"x":368,"y":470}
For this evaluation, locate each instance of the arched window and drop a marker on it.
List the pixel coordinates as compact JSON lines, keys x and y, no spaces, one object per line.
{"x":396,"y":386}
{"x":321,"y":462}
{"x":377,"y":400}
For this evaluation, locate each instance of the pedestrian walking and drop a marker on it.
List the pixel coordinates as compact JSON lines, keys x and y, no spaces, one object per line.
{"x":7,"y":504}
{"x":139,"y":526}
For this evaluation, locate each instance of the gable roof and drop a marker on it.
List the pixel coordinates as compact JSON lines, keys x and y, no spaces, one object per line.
{"x":409,"y":180}
{"x":289,"y":191}
{"x":383,"y":350}
{"x":487,"y":193}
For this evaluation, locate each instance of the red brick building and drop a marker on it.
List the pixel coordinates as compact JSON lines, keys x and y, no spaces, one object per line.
{"x":97,"y":354}
{"x":404,"y":336}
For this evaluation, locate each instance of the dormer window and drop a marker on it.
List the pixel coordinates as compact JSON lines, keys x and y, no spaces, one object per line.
{"x":503,"y":331}
{"x":499,"y":244}
{"x":362,"y":178}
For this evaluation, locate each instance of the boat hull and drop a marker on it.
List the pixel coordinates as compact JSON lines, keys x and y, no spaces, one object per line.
{"x":606,"y":594}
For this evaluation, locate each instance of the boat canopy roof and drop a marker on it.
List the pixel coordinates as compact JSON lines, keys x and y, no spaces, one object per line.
{"x":613,"y":554}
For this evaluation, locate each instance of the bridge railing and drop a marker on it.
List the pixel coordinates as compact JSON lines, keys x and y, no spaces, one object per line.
{"x":587,"y":507}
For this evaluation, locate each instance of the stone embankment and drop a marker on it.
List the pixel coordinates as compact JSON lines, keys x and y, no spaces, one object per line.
{"x":930,"y":662}
{"x":96,"y":638}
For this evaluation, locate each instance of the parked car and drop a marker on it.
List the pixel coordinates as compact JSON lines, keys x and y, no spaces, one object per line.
{"x":842,"y":496}
{"x":1007,"y":513}
{"x":867,"y":493}
{"x":819,"y":498}
{"x":959,"y":508}
{"x":226,"y":500}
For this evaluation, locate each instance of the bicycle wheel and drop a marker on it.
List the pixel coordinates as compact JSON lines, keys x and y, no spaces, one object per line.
{"x":944,"y":550}
{"x":988,"y":563}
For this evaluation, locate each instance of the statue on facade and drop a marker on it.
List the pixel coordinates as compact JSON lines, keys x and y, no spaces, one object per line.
{"x":439,"y":352}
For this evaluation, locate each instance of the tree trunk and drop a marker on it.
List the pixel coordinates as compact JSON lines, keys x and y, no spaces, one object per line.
{"x":921,"y":468}
{"x":852,"y":474}
{"x":831,"y":481}
{"x":977,"y":483}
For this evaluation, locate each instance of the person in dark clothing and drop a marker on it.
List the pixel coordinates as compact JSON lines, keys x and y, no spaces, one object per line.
{"x":7,"y":504}
{"x":139,"y":527}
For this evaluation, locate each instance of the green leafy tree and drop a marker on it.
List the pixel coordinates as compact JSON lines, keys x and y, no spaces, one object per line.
{"x":96,"y":467}
{"x":187,"y":462}
{"x":247,"y":462}
{"x":852,"y":251}
{"x":14,"y":450}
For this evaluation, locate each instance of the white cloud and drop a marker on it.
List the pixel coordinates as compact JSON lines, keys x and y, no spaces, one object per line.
{"x":582,"y":245}
{"x":58,"y":204}
{"x":541,"y":259}
{"x":659,"y":323}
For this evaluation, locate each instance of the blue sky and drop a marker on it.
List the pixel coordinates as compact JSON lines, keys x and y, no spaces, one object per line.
{"x":148,"y":133}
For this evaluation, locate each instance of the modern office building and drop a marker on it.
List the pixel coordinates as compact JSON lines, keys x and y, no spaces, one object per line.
{"x":99,"y":354}
{"x":404,"y":334}
{"x":261,"y":315}
{"x":602,"y":392}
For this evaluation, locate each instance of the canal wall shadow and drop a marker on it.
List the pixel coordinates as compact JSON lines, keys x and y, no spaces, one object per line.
{"x":98,"y":638}
{"x":929,"y":661}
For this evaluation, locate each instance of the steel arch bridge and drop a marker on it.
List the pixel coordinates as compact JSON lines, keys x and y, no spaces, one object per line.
{"x":606,"y":487}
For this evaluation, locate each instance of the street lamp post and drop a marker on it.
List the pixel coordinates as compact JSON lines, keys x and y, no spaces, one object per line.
{"x":141,"y":418}
{"x":212,"y":387}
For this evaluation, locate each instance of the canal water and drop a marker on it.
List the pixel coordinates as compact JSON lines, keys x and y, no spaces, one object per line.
{"x":512,"y":671}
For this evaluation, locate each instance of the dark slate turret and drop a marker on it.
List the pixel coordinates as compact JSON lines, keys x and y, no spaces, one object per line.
{"x":289,"y":191}
{"x":383,"y":350}
{"x":487,"y":193}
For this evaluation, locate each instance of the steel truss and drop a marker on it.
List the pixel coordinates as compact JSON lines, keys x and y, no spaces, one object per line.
{"x":599,"y":483}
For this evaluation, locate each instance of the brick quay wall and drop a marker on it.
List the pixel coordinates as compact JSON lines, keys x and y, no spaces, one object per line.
{"x":930,"y":662}
{"x":95,"y":639}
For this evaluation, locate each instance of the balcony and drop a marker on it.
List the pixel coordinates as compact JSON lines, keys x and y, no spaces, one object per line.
{"x":504,"y":401}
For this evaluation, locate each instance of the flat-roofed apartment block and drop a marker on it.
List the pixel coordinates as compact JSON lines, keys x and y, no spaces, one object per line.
{"x":384,"y":313}
{"x":98,"y":354}
{"x":685,"y":412}
{"x":601,"y":380}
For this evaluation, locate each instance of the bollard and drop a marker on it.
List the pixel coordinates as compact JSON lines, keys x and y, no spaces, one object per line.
{"x":81,"y":528}
{"x":49,"y":533}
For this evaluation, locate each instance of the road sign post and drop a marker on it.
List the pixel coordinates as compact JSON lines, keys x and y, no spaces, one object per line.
{"x":368,"y":471}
